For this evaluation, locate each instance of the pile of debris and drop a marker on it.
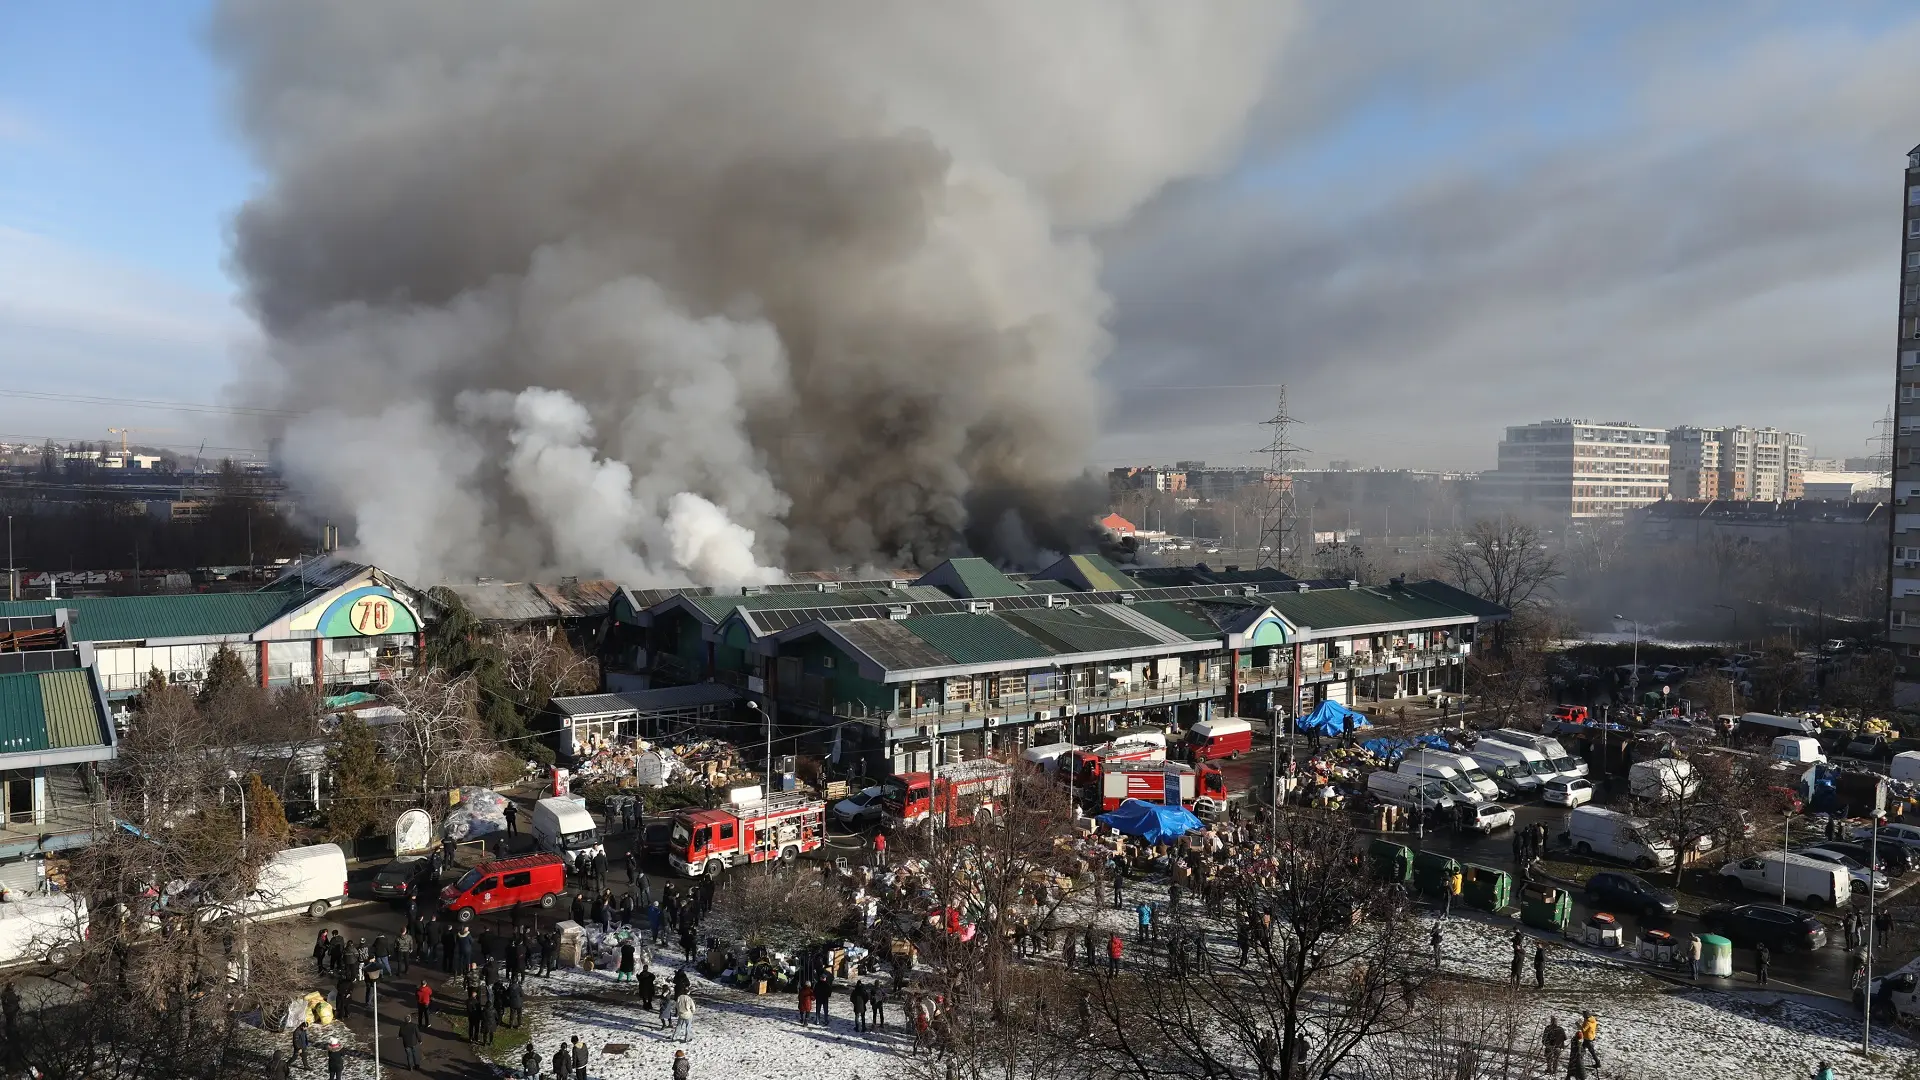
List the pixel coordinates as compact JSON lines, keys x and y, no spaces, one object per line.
{"x":640,"y":763}
{"x":478,"y":813}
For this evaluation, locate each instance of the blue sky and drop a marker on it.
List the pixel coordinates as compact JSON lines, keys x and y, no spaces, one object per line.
{"x":119,"y":172}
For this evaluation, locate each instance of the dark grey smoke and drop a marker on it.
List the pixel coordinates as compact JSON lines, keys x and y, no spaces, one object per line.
{"x":673,"y":291}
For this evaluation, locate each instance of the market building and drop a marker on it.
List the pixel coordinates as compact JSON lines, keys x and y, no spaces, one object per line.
{"x":54,"y":730}
{"x":327,"y":623}
{"x":966,"y":660}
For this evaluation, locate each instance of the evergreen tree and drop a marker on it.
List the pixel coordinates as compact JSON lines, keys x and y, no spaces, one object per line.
{"x":266,"y":814}
{"x":363,"y":781}
{"x":225,"y":673}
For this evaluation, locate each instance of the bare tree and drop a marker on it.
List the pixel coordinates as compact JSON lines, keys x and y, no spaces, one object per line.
{"x":438,"y":735}
{"x":770,"y":906}
{"x":1503,"y":560}
{"x":1339,"y":967}
{"x":536,"y":665}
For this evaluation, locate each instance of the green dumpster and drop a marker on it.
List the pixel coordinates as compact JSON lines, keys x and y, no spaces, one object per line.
{"x":1485,"y":888}
{"x":1390,"y":861}
{"x":1546,"y":907}
{"x":1716,"y":956}
{"x":1431,"y":871}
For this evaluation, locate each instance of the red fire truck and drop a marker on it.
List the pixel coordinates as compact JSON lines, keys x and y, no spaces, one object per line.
{"x":1083,"y":768}
{"x":1203,"y":789}
{"x":953,"y":794}
{"x":781,"y":827}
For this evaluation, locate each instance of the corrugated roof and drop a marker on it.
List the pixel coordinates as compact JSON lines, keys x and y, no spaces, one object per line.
{"x":1184,"y":617}
{"x":660,"y":699}
{"x":580,"y":599}
{"x":1079,"y":628}
{"x":976,"y":639}
{"x":1102,"y":574}
{"x":1326,"y":609}
{"x":891,"y":644}
{"x":717,"y":607}
{"x":72,"y":712}
{"x":504,"y":601}
{"x":23,"y":714}
{"x":186,"y":615}
{"x":982,"y":580}
{"x":1442,"y":593}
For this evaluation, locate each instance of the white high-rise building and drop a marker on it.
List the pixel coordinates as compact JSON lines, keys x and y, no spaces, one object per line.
{"x":1578,"y":469}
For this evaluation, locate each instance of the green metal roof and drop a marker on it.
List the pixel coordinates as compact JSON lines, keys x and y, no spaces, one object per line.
{"x":1078,"y":629}
{"x":1181,"y":616}
{"x":975,"y":639}
{"x":48,"y":710}
{"x":185,"y":615}
{"x":1328,"y":609}
{"x":982,"y":580}
{"x":1102,"y":574}
{"x":1443,"y":593}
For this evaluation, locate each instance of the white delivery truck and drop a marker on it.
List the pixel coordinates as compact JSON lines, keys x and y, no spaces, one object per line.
{"x":1462,"y":764}
{"x":40,"y":928}
{"x":1905,"y":766}
{"x":1526,"y":769}
{"x":1808,"y":881}
{"x":1564,"y":764}
{"x":1459,"y":787}
{"x":1408,"y":792}
{"x":312,"y":879}
{"x":561,"y":825}
{"x":1662,"y":779}
{"x":1594,"y":830}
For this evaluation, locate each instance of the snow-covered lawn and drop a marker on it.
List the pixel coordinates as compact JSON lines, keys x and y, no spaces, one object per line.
{"x":1649,"y":1028}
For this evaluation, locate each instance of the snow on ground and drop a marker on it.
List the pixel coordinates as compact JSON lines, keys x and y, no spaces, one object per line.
{"x":1649,"y":1028}
{"x":736,"y":1035}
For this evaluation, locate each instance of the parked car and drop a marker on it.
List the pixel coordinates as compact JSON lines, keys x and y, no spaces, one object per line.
{"x":1667,"y":674}
{"x":1484,"y":817}
{"x":1894,"y":860}
{"x":1856,"y":870}
{"x":1906,"y":836}
{"x":862,"y":808}
{"x":1565,"y":792}
{"x":1627,"y":892}
{"x":396,"y":880}
{"x":656,"y":839}
{"x":1781,"y":928}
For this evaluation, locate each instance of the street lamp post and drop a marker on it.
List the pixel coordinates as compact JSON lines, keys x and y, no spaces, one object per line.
{"x":768,"y":718}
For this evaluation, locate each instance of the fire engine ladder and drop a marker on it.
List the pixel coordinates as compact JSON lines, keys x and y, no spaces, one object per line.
{"x":979,"y":769}
{"x":776,"y":804}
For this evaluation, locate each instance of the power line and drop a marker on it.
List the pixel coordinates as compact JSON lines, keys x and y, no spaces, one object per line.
{"x":150,"y":403}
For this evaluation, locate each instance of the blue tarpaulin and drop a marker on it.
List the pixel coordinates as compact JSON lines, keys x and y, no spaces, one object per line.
{"x":1332,"y":718}
{"x":1151,"y":822}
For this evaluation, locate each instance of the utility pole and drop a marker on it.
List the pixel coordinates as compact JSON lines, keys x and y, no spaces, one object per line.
{"x":1278,"y":509}
{"x":13,"y":572}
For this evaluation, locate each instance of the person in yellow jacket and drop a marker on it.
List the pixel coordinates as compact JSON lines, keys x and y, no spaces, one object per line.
{"x":1588,"y":1032}
{"x":1452,"y":890}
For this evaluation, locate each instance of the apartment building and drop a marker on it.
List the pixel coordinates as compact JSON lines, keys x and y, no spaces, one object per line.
{"x":1578,"y":469}
{"x":1741,"y":463}
{"x":1903,"y":593}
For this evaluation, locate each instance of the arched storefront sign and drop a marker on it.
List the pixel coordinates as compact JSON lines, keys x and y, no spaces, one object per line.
{"x":368,"y":612}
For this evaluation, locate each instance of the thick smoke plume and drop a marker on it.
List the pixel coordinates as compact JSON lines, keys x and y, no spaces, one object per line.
{"x":692,"y":291}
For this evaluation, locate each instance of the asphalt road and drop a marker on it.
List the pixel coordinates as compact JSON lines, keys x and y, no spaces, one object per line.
{"x":1822,"y":971}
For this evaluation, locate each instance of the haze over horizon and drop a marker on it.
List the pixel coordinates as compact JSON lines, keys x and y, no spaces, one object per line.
{"x":1436,"y":225}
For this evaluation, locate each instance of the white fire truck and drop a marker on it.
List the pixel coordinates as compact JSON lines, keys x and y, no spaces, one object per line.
{"x":752,"y":830}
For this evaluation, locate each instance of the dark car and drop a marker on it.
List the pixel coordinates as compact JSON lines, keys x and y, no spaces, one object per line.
{"x":397,"y":880}
{"x":1782,"y":928}
{"x":656,"y":837}
{"x":1894,"y":860}
{"x":1627,"y":893}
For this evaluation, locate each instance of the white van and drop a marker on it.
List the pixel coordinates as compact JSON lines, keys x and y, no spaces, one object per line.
{"x":1046,"y":758}
{"x":1457,"y":786}
{"x":1662,"y":779}
{"x":1800,"y":749}
{"x":1563,"y":763}
{"x":1526,"y":769}
{"x":1594,"y":830}
{"x":561,"y":825}
{"x":1905,"y":766}
{"x":1408,"y":792}
{"x":1462,"y":764}
{"x":310,"y":879}
{"x":1809,"y":881}
{"x":40,"y":928}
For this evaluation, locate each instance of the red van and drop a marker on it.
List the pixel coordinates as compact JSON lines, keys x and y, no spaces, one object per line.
{"x":1223,"y":737}
{"x":506,"y":883}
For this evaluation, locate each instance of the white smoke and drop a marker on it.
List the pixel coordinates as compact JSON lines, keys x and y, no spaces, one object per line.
{"x":684,"y":292}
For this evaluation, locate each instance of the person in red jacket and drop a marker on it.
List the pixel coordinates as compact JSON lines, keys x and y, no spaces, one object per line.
{"x":1113,"y":955}
{"x":880,"y":850}
{"x":423,"y":1003}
